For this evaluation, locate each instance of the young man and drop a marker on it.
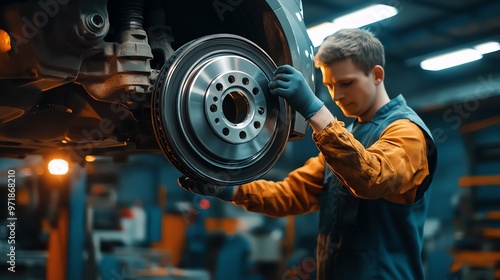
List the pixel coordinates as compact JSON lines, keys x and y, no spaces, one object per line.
{"x":370,"y":181}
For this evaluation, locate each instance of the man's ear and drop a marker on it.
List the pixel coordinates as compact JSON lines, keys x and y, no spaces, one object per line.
{"x":378,"y":74}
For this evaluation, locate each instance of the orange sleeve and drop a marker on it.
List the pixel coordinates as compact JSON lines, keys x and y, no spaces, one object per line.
{"x":392,"y":168}
{"x":297,"y":194}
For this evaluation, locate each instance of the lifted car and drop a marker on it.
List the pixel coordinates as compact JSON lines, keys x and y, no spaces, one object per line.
{"x":184,"y":78}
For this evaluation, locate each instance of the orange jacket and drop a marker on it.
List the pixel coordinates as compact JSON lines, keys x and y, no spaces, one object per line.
{"x":392,"y":168}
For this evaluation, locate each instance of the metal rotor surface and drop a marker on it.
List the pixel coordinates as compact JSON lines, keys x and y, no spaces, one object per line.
{"x":213,"y":115}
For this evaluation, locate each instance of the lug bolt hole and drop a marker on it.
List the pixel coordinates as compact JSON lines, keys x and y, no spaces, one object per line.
{"x":245,"y":81}
{"x":243,"y":135}
{"x":255,"y":91}
{"x":225,"y":131}
{"x":231,"y":79}
{"x":213,"y":108}
{"x":256,"y":125}
{"x":219,"y":86}
{"x":261,"y":111}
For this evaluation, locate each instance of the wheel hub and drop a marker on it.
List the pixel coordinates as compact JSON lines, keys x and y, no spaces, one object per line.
{"x":213,"y":115}
{"x":235,"y":105}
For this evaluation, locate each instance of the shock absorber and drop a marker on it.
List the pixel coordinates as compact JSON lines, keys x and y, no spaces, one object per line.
{"x":131,"y":15}
{"x":128,"y":81}
{"x":133,"y":52}
{"x":159,"y":34}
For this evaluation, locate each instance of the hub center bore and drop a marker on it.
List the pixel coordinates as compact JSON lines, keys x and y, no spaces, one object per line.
{"x":235,"y":105}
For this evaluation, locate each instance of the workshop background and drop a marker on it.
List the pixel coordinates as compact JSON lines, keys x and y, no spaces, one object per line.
{"x":138,"y":218}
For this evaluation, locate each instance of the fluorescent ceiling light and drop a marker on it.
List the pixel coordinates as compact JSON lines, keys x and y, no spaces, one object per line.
{"x":359,"y":18}
{"x":450,"y":59}
{"x":318,"y":33}
{"x":487,"y":47}
{"x":459,"y":57}
{"x":365,"y":16}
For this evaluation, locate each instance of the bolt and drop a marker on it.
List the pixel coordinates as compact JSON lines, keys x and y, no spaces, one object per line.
{"x":95,"y":22}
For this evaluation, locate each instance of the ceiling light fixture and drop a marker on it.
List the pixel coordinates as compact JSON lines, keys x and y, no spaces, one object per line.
{"x":487,"y":47}
{"x":459,"y":57}
{"x":359,"y":18}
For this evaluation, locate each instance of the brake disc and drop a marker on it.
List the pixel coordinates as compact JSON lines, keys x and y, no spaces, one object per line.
{"x":213,"y":115}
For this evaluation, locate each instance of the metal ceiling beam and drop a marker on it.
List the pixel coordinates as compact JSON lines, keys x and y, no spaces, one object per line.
{"x":479,"y":88}
{"x":435,"y":5}
{"x":324,"y":5}
{"x":476,"y":14}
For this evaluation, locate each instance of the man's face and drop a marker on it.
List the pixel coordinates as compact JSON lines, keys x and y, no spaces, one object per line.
{"x":350,"y":88}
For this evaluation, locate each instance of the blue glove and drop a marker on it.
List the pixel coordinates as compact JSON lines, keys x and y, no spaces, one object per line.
{"x":223,"y":193}
{"x":290,"y":84}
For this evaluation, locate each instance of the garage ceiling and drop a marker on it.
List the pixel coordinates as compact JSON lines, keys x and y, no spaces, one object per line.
{"x":425,"y":28}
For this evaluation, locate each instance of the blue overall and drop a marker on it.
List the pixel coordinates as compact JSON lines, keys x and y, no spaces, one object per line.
{"x":373,"y":239}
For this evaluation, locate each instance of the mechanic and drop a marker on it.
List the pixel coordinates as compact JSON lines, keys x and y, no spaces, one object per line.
{"x":370,"y":181}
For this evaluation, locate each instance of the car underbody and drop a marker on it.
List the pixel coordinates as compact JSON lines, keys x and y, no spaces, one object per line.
{"x":184,"y":78}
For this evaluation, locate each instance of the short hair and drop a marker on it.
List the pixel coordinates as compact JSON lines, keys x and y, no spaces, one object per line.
{"x":359,"y":45}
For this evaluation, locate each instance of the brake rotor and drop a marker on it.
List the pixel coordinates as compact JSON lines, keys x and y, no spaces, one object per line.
{"x":213,"y":115}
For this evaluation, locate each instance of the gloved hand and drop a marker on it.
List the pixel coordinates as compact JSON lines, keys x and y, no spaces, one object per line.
{"x":223,"y":193}
{"x":290,"y":84}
